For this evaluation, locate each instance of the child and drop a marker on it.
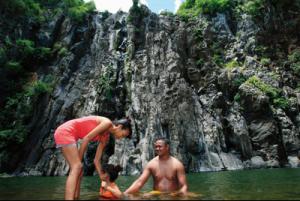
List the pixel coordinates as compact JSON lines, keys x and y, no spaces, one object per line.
{"x":108,"y":189}
{"x":90,"y":128}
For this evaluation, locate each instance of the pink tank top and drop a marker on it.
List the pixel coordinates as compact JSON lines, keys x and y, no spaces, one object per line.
{"x":82,"y":126}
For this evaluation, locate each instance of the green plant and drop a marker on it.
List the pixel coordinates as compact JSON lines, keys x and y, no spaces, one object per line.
{"x":42,"y":53}
{"x":232,"y":64}
{"x":294,"y":56}
{"x":167,"y":13}
{"x":218,"y":59}
{"x":78,"y":13}
{"x":14,"y":67}
{"x":200,"y":62}
{"x":25,"y":47}
{"x":273,"y":93}
{"x":237,"y":97}
{"x":265,"y":61}
{"x":253,"y":7}
{"x":294,"y":60}
{"x":105,"y":82}
{"x":198,"y":34}
{"x":296,"y":68}
{"x":267,"y":89}
{"x":3,"y":56}
{"x":239,"y":81}
{"x":281,"y":102}
{"x":36,"y":88}
{"x":16,"y":135}
{"x":192,"y":8}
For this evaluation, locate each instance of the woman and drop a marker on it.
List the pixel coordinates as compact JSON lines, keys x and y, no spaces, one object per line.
{"x":90,"y":128}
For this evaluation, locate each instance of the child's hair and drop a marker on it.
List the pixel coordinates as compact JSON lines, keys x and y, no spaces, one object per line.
{"x":112,"y":171}
{"x":126,"y":124}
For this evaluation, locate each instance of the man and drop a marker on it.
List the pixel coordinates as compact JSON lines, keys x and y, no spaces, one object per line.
{"x":168,"y":172}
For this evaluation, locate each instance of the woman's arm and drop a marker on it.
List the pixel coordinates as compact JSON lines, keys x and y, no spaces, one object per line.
{"x":103,"y":126}
{"x":98,"y":155}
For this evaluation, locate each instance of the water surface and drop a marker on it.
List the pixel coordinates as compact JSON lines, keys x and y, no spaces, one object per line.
{"x":266,"y":184}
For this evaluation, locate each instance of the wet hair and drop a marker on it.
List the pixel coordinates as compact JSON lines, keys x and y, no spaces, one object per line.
{"x":112,"y":171}
{"x":126,"y":124}
{"x":166,"y":141}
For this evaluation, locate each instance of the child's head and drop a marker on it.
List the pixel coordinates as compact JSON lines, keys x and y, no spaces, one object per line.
{"x":111,"y":172}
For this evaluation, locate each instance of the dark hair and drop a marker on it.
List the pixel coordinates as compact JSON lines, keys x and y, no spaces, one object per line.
{"x":126,"y":124}
{"x":166,"y":141}
{"x":112,"y":171}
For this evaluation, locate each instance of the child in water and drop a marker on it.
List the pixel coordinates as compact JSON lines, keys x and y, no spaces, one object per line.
{"x":109,"y":189}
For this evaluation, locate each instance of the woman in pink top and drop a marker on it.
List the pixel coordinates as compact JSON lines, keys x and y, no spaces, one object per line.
{"x":90,"y":128}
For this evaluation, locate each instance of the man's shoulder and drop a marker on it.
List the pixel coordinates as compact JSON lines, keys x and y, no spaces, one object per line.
{"x":176,"y":161}
{"x":154,"y":160}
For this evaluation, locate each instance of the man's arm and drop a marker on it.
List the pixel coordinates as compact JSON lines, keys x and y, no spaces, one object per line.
{"x":182,"y":179}
{"x":139,"y":183}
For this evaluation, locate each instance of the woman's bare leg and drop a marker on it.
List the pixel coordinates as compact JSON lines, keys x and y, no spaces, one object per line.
{"x":72,"y":156}
{"x":77,"y":191}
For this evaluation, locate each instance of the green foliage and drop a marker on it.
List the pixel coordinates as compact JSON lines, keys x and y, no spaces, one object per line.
{"x":14,"y":67}
{"x":167,"y":13}
{"x":37,"y":88}
{"x":294,"y":60}
{"x":265,"y":61}
{"x":16,"y":136}
{"x":273,"y":93}
{"x":253,"y":7}
{"x":25,"y":47}
{"x":105,"y":14}
{"x":3,"y":56}
{"x":232,"y":64}
{"x":78,"y":11}
{"x":105,"y":82}
{"x":239,"y":81}
{"x":296,"y":68}
{"x":75,"y":9}
{"x":218,"y":59}
{"x":59,"y":49}
{"x":294,"y":56}
{"x":198,"y":34}
{"x":200,"y":62}
{"x":265,"y":88}
{"x":17,"y":7}
{"x":281,"y":102}
{"x":42,"y":53}
{"x":192,"y":8}
{"x":237,"y":97}
{"x":28,"y":8}
{"x":261,"y":50}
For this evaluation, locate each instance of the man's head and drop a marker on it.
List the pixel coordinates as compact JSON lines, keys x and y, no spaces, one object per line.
{"x":162,"y":146}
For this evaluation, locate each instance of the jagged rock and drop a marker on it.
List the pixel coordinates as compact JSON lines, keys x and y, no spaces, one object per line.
{"x":258,"y":162}
{"x":156,"y":70}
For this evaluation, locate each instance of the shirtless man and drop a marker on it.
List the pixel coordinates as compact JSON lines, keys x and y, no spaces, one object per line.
{"x":168,"y":172}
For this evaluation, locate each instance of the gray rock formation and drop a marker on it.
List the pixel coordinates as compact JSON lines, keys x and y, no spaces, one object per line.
{"x":150,"y":70}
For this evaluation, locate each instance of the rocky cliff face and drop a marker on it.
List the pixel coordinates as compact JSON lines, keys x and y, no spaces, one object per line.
{"x":200,"y":83}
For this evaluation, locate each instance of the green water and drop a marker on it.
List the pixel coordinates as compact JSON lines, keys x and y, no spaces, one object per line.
{"x":270,"y":184}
